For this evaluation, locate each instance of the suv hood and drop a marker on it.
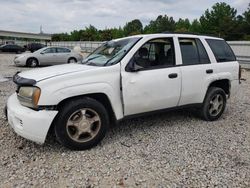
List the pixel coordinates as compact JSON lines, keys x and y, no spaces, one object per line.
{"x":58,"y":70}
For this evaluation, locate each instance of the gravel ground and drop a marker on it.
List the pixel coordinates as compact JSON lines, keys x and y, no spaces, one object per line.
{"x":174,"y":149}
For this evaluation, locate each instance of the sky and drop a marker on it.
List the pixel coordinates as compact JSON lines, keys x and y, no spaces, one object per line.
{"x":67,"y":15}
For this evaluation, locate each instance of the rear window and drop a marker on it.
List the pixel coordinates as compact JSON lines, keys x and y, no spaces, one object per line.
{"x":221,"y":50}
{"x":193,"y":51}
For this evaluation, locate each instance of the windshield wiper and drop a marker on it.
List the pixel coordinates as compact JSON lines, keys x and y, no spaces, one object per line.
{"x":114,"y":57}
{"x":91,"y":63}
{"x":92,"y":59}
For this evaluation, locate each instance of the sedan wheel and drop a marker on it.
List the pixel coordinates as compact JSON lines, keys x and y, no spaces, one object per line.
{"x":72,"y":60}
{"x":32,"y":62}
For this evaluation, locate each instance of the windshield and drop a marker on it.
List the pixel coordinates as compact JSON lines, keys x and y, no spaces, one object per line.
{"x":111,"y":52}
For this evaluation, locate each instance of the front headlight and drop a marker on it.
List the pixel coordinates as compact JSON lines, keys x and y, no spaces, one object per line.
{"x":29,"y":96}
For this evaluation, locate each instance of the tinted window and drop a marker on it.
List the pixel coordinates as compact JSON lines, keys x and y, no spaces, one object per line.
{"x":13,"y":46}
{"x":221,"y":50}
{"x":49,"y":50}
{"x":7,"y":46}
{"x":63,"y":50}
{"x":156,"y":53}
{"x":193,"y":52}
{"x":202,"y":52}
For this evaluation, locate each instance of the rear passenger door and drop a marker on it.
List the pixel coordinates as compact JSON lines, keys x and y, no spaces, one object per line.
{"x":63,"y":55}
{"x":196,"y":70}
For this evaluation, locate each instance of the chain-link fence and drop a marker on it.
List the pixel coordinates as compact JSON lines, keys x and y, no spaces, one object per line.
{"x":86,"y":46}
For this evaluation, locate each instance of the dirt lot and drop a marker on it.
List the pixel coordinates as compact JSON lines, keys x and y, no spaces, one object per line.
{"x":173,"y":149}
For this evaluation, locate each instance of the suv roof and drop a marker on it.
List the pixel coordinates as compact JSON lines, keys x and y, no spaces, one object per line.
{"x":167,"y":34}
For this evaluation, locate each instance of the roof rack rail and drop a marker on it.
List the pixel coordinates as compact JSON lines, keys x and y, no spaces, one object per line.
{"x":173,"y":32}
{"x":189,"y":33}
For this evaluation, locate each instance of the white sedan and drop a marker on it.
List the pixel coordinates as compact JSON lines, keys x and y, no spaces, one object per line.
{"x":48,"y":56}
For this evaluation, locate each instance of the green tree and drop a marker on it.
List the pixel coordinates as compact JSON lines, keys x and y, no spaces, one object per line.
{"x":105,"y":35}
{"x":161,"y":24}
{"x":132,"y":28}
{"x":60,"y":37}
{"x":245,"y":23}
{"x":182,"y":25}
{"x":219,"y":21}
{"x":90,"y":34}
{"x":75,"y":35}
{"x":117,"y":33}
{"x":195,"y":27}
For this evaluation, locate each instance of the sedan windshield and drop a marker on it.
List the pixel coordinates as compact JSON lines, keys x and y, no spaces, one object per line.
{"x":110,"y":52}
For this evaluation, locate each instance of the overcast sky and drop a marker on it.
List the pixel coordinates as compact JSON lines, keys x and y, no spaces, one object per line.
{"x":67,"y":15}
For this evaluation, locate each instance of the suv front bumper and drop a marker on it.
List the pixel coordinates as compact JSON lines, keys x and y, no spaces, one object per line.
{"x":30,"y":124}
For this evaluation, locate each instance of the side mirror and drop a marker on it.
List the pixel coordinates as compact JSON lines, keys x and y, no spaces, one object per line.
{"x":133,"y":67}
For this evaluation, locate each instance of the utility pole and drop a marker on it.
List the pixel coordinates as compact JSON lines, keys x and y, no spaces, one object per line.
{"x":41,"y":29}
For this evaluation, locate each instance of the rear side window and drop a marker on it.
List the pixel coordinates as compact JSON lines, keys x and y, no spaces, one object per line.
{"x":63,"y":50}
{"x":49,"y":50}
{"x":193,"y":52}
{"x":221,"y":50}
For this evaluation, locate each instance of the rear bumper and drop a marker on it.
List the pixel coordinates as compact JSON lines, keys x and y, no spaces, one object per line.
{"x":30,"y":124}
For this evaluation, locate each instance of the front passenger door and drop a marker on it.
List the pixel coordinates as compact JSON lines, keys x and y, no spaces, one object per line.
{"x":157,"y":82}
{"x":48,"y":56}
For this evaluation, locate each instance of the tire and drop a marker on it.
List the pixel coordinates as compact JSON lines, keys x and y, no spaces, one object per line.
{"x":72,"y":60}
{"x":32,"y":62}
{"x":81,"y":124}
{"x":214,"y":104}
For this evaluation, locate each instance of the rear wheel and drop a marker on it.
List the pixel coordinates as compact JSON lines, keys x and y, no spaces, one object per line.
{"x":214,"y":104}
{"x":81,"y":124}
{"x":32,"y":62}
{"x":72,"y":60}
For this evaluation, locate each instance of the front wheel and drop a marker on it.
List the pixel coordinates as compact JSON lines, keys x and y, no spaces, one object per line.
{"x":214,"y":104}
{"x":32,"y":62}
{"x":81,"y":124}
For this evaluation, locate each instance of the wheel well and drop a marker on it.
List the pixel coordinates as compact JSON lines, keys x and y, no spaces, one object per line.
{"x":100,"y":97}
{"x":223,"y":84}
{"x":32,"y":58}
{"x":72,"y":58}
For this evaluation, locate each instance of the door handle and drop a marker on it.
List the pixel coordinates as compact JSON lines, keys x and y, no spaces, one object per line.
{"x":173,"y":75}
{"x":209,"y":71}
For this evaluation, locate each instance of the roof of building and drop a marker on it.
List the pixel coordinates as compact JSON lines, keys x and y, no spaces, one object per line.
{"x":15,"y":34}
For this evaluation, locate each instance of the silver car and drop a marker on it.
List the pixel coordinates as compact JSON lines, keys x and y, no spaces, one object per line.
{"x":47,"y":56}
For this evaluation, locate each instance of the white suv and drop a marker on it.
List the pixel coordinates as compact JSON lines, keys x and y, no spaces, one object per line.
{"x":123,"y":78}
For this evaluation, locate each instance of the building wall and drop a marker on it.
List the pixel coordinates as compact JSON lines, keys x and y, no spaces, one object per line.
{"x":242,"y":52}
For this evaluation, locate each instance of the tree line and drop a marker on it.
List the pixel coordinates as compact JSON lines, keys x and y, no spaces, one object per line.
{"x":221,"y":21}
